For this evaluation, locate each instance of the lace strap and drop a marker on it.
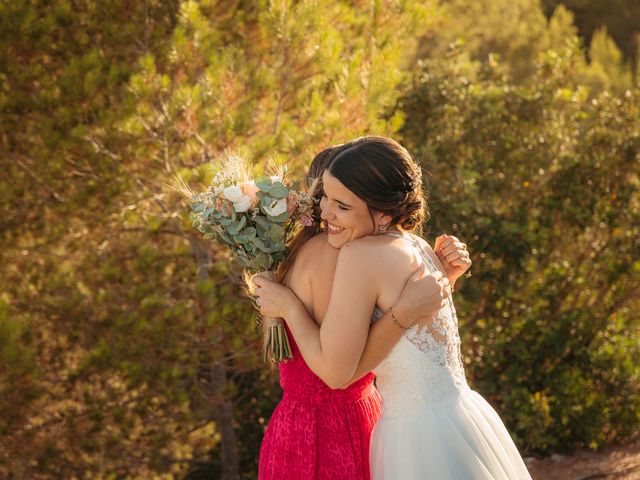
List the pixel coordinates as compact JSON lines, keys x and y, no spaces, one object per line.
{"x":420,"y":250}
{"x":426,"y":257}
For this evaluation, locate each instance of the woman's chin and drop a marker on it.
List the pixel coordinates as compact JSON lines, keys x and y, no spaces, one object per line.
{"x":336,"y":241}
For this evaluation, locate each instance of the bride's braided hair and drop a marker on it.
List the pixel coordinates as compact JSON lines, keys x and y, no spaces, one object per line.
{"x":378,"y":170}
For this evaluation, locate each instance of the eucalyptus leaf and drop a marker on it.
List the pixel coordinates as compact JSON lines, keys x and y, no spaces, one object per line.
{"x":264,"y":184}
{"x":259,"y":243}
{"x":262,"y":261}
{"x":276,"y":233}
{"x":278,"y":190}
{"x":234,"y":228}
{"x":244,"y":261}
{"x":246,"y":236}
{"x":280,"y":218}
{"x":226,"y":238}
{"x":267,"y":200}
{"x":262,"y":222}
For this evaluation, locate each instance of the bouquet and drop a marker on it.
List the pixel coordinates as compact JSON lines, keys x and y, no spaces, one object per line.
{"x":254,"y":217}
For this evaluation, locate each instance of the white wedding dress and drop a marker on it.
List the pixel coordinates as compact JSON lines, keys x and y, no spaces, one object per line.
{"x":433,"y":426}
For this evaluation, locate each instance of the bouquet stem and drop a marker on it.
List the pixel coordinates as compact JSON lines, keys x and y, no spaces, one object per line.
{"x":276,"y":348}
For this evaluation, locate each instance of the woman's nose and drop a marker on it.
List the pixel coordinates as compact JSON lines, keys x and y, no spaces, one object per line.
{"x":326,"y":212}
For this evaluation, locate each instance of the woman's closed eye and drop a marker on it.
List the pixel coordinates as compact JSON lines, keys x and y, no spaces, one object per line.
{"x":325,"y":198}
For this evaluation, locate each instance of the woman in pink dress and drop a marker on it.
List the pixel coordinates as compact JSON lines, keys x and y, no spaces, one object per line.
{"x":318,"y":432}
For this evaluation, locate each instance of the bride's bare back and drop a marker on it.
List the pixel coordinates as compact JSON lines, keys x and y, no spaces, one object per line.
{"x":389,"y":264}
{"x":311,"y":276}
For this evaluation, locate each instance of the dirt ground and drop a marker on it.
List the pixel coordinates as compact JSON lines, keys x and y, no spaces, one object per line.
{"x":617,"y":463}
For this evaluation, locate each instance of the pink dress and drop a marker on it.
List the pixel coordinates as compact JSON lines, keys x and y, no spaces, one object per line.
{"x":316,"y":433}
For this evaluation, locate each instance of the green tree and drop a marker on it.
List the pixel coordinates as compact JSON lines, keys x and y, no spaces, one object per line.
{"x":513,"y":36}
{"x":134,"y":349}
{"x":63,"y":68}
{"x":607,"y":68}
{"x":544,"y":183}
{"x":620,"y":17}
{"x":508,"y":33}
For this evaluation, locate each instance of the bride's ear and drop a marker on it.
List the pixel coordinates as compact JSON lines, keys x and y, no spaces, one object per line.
{"x":383,"y":219}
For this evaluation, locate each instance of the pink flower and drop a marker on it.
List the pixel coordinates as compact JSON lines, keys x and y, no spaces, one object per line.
{"x":306,"y":220}
{"x":250,"y":189}
{"x":293,"y":200}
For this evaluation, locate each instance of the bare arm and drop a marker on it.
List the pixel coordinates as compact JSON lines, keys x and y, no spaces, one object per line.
{"x":382,"y":337}
{"x":337,"y":351}
{"x":421,"y":297}
{"x":333,"y":350}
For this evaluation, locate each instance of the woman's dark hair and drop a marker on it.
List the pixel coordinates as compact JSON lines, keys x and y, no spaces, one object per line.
{"x":314,"y":186}
{"x":381,"y":172}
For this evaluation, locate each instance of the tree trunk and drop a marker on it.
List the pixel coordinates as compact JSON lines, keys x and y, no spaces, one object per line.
{"x":215,"y":385}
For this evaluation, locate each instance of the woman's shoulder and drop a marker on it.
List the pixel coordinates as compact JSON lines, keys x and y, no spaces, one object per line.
{"x":316,"y":249}
{"x":384,"y":248}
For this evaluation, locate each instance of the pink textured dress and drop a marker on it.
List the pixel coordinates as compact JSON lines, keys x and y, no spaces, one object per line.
{"x":316,"y":433}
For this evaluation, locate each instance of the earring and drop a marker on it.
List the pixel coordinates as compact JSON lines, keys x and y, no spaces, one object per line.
{"x":382,"y":229}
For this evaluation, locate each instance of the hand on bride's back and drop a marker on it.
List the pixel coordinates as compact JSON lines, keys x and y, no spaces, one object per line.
{"x":423,"y":294}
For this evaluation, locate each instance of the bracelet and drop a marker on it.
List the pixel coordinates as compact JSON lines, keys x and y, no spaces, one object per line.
{"x":395,"y":320}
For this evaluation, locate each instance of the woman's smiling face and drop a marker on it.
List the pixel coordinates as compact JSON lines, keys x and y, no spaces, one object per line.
{"x":346,"y":215}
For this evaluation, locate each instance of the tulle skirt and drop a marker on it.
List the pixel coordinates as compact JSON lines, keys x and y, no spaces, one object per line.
{"x":463,"y":439}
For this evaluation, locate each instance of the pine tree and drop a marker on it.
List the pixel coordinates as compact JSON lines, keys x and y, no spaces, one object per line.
{"x":542,"y":181}
{"x":607,"y":68}
{"x":140,"y":351}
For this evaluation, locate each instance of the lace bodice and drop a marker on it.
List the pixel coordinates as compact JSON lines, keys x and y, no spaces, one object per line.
{"x":425,"y":367}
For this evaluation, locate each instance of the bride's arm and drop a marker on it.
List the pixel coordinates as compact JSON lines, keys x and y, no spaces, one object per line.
{"x":344,"y":348}
{"x":333,"y":350}
{"x":382,"y":337}
{"x":412,"y":306}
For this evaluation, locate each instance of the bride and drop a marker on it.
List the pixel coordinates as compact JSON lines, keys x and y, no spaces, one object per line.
{"x":432,"y":424}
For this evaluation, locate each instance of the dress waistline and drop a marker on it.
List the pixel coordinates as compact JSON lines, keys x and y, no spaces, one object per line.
{"x":322,"y":395}
{"x":411,"y":406}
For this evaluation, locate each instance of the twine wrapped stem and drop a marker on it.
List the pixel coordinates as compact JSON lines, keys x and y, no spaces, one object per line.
{"x":276,"y":342}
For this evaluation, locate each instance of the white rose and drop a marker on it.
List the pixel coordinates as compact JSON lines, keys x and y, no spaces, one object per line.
{"x":243,"y":204}
{"x":233,"y":193}
{"x":277,"y":208}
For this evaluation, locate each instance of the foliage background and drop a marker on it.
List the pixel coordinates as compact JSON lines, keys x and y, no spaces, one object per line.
{"x":127,"y":349}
